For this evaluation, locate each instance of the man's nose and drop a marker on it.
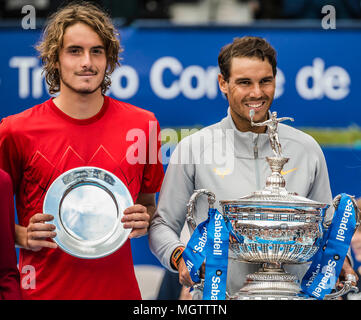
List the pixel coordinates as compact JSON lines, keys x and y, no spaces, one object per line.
{"x":86,"y":60}
{"x":256,"y":91}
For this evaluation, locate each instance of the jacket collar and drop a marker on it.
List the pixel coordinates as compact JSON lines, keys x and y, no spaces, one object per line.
{"x":247,"y":144}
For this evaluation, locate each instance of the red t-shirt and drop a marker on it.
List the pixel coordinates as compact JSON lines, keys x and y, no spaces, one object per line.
{"x":38,"y":145}
{"x":9,"y":273}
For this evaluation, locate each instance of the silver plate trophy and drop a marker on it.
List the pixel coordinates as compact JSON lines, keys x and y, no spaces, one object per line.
{"x":88,"y":204}
{"x":277,"y":227}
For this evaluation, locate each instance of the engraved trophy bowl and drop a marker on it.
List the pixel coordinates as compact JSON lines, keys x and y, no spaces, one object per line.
{"x":273,"y":227}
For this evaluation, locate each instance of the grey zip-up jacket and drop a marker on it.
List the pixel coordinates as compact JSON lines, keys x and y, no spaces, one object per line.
{"x":232,"y":164}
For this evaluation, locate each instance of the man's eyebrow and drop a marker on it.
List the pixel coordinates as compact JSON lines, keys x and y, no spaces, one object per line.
{"x":243,"y":79}
{"x":80,"y":47}
{"x":98,"y":47}
{"x":74,"y":47}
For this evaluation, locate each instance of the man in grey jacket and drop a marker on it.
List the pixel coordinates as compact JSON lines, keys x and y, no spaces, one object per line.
{"x":228,"y":158}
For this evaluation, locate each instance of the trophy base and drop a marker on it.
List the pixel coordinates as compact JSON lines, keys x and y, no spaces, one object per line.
{"x":270,"y":296}
{"x":271,"y":282}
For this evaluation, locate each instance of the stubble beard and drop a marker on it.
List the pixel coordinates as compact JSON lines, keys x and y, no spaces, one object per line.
{"x":80,"y":91}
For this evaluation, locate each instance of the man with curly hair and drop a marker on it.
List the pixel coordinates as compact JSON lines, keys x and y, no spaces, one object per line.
{"x":81,"y":126}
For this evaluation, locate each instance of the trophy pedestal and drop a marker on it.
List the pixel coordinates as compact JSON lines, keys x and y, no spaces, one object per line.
{"x":271,"y":282}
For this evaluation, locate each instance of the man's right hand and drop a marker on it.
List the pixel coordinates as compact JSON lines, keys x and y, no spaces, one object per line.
{"x":34,"y":236}
{"x":184,"y":276}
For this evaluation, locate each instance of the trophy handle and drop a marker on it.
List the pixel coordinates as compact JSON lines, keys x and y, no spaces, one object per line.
{"x":192,"y":204}
{"x":198,"y":287}
{"x":347,"y":285}
{"x":336,"y":202}
{"x":198,"y":291}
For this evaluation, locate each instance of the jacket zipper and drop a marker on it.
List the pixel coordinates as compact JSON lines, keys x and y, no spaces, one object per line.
{"x":255,"y":153}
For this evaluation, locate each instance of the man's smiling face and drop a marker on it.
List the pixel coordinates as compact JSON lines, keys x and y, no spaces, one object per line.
{"x":251,"y":86}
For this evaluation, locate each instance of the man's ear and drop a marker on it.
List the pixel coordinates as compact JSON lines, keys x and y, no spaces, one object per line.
{"x":223,"y":84}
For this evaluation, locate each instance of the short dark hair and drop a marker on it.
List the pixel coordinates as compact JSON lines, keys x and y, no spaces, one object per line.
{"x":246,"y":47}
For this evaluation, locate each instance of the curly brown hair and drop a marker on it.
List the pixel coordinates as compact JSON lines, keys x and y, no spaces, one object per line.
{"x":53,"y":35}
{"x":246,"y":47}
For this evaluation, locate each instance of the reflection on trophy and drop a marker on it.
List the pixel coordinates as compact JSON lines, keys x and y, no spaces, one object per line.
{"x":88,"y":204}
{"x":273,"y":227}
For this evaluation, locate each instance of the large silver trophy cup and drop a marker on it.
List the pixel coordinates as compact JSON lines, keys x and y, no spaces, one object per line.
{"x":274,"y":227}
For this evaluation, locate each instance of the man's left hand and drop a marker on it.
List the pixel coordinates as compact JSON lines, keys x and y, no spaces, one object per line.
{"x":346,"y":273}
{"x":136,"y":218}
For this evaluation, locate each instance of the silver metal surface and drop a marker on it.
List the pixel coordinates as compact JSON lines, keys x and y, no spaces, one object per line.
{"x":192,"y":203}
{"x":347,"y":287}
{"x":275,"y":227}
{"x":88,"y":204}
{"x":272,"y":130}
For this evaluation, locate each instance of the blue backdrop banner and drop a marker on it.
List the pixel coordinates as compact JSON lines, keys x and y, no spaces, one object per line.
{"x":173,"y":72}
